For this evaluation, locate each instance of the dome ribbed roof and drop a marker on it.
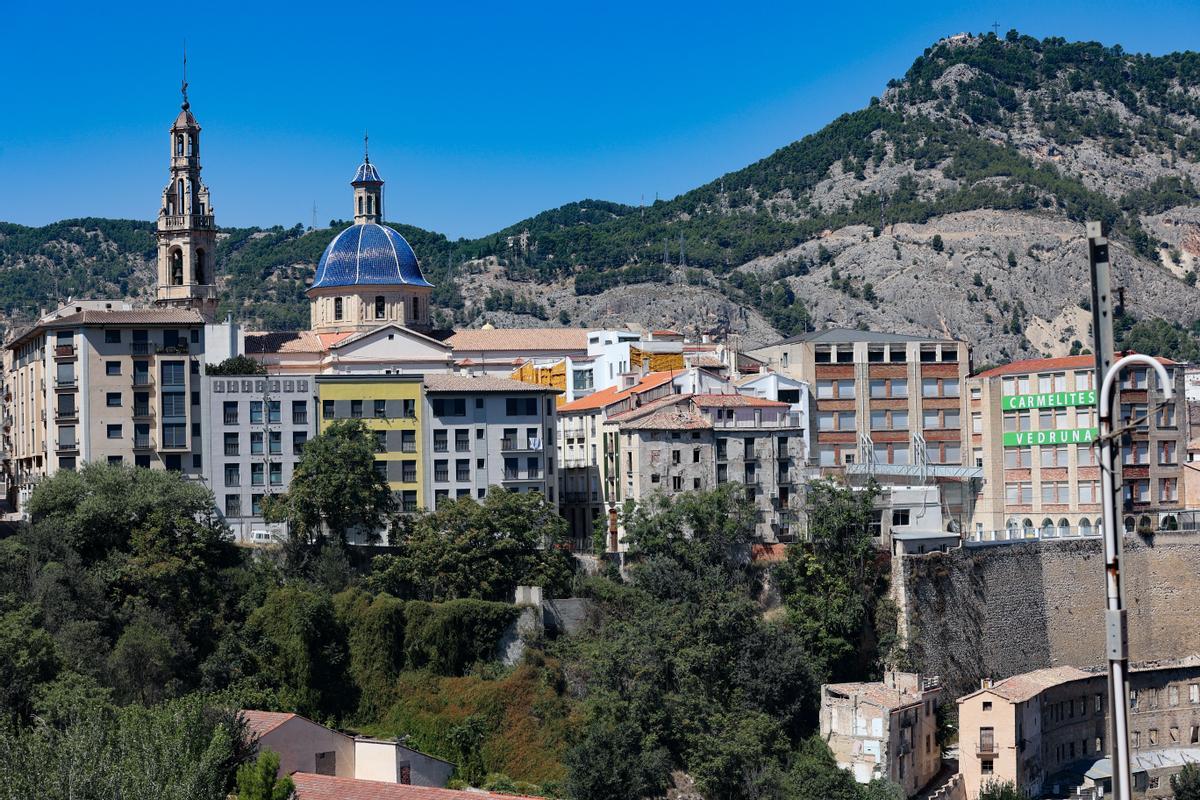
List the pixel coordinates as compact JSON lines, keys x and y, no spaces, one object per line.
{"x":366,"y":173}
{"x":368,"y":254}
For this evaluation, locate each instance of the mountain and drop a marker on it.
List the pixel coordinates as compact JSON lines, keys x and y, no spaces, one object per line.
{"x":953,"y":203}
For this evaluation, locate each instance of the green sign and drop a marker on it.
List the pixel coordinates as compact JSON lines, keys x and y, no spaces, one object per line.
{"x":1070,"y":436}
{"x":1020,"y":402}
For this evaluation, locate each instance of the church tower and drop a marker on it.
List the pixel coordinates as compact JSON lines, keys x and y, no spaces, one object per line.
{"x":187,"y":233}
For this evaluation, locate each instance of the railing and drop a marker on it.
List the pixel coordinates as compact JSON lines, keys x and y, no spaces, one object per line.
{"x":1013,"y":535}
{"x":64,"y":383}
{"x":66,"y":413}
{"x":179,"y":347}
{"x":139,"y":348}
{"x":144,"y":443}
{"x":183,"y":221}
{"x":510,"y":444}
{"x":142,"y":379}
{"x":231,"y":419}
{"x":66,"y":445}
{"x":141,"y":411}
{"x":64,"y":351}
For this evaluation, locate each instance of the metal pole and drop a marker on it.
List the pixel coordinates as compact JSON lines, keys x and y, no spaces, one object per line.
{"x":1114,"y":619}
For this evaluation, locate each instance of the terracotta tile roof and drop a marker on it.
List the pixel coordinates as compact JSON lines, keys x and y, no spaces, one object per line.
{"x":612,"y":394}
{"x":670,"y":417}
{"x":646,"y":408}
{"x":1027,"y":685}
{"x":878,"y":694}
{"x":666,"y":332}
{"x":262,"y":342}
{"x":142,"y":316}
{"x":260,"y":723}
{"x":704,"y":360}
{"x":481,"y":383}
{"x":523,"y":339}
{"x":737,"y":401}
{"x":1048,"y":364}
{"x":328,"y":787}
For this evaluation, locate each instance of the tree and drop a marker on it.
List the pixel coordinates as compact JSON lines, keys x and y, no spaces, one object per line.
{"x":468,"y":549}
{"x":1012,"y":259}
{"x":259,"y":779}
{"x":1186,"y":784}
{"x":832,"y":583}
{"x":27,"y":659}
{"x":335,"y":485}
{"x":998,"y":790}
{"x":236,"y":365}
{"x":937,"y":243}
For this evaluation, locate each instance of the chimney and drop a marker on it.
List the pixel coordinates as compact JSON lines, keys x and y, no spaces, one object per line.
{"x":986,"y":683}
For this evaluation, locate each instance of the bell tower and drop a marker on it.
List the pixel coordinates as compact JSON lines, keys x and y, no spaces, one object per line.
{"x":368,"y":191}
{"x":187,"y":233}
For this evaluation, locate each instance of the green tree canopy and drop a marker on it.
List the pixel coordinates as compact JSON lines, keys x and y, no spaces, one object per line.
{"x":335,"y":485}
{"x":260,"y":780}
{"x":236,"y":365}
{"x":468,"y":549}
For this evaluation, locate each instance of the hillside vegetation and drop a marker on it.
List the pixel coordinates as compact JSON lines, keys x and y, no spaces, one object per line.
{"x":971,"y":174}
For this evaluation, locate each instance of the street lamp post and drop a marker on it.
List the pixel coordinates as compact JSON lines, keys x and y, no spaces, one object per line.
{"x":1115,"y":623}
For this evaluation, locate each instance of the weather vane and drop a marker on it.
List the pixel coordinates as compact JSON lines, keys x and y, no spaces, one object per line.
{"x":183,"y":86}
{"x":366,"y":150}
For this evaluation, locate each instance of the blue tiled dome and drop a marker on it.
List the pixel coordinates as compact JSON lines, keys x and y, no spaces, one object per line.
{"x":368,"y":254}
{"x":366,"y":174}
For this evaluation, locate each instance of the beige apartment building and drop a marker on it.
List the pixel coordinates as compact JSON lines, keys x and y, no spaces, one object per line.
{"x":887,"y":406}
{"x":885,"y":729}
{"x":688,"y":442}
{"x":1033,"y":428}
{"x":1047,"y":731}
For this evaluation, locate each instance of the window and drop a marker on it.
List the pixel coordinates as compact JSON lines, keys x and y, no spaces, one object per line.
{"x":111,"y":399}
{"x":976,"y":422}
{"x":408,"y":471}
{"x":408,"y":441}
{"x":299,"y":412}
{"x":1168,"y":490}
{"x":231,"y":412}
{"x":232,"y":445}
{"x":1020,"y":421}
{"x":337,"y":308}
{"x":929,"y":387}
{"x":233,"y":505}
{"x":1166,"y":452}
{"x":521,"y":406}
{"x":274,"y":415}
{"x":1020,"y":493}
{"x":256,"y":443}
{"x":1172,"y":695}
{"x":112,"y":367}
{"x":327,"y":409}
{"x":440,"y":441}
{"x":256,"y":505}
{"x":1054,"y":456}
{"x":275,"y":443}
{"x":1089,"y":491}
{"x":276,"y":473}
{"x":462,"y":440}
{"x":1018,"y":457}
{"x":174,"y":435}
{"x":233,"y":475}
{"x":1165,"y":418}
{"x":900,"y":517}
{"x":462,"y":469}
{"x":380,"y":408}
{"x":256,"y":412}
{"x":1055,"y":492}
{"x":112,"y":336}
{"x":380,"y":307}
{"x":256,"y":474}
{"x":408,"y":408}
{"x":1085,"y":455}
{"x":356,"y":409}
{"x":451,"y":407}
{"x":113,"y":432}
{"x":173,"y":373}
{"x":987,"y":705}
{"x":416,"y":309}
{"x":985,"y":766}
{"x":299,"y":439}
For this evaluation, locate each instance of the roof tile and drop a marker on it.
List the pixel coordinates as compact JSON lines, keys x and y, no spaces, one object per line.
{"x":310,"y":786}
{"x":520,"y":339}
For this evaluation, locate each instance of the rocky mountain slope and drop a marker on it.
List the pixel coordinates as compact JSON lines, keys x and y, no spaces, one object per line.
{"x":954,"y":203}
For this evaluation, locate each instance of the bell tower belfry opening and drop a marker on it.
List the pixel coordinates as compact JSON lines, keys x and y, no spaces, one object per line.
{"x":187,"y":232}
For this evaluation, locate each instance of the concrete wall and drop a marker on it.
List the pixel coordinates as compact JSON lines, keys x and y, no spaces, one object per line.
{"x":298,"y":741}
{"x":996,"y":611}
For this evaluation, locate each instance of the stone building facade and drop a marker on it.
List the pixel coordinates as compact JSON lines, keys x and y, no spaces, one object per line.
{"x":885,"y":730}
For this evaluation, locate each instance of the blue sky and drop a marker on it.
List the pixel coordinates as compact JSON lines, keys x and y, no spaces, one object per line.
{"x":479,"y":115}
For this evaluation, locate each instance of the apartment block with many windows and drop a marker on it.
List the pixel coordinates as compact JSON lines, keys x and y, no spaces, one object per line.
{"x":1033,"y":431}
{"x":255,"y":427}
{"x":483,"y":431}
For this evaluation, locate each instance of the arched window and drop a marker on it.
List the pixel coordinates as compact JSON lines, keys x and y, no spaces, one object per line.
{"x":337,"y":308}
{"x":191,"y":145}
{"x":1168,"y":523}
{"x":380,"y":307}
{"x":179,"y":144}
{"x":370,"y":204}
{"x":1099,"y":526}
{"x":179,"y":198}
{"x":1064,"y":527}
{"x":1144,"y":524}
{"x":1085,"y":527}
{"x":199,"y":278}
{"x":1129,"y":525}
{"x":360,"y":205}
{"x":416,"y":309}
{"x":1027,"y":526}
{"x":1047,"y":528}
{"x":177,"y":267}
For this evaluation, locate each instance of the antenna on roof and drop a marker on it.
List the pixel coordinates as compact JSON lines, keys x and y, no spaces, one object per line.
{"x":183,"y":85}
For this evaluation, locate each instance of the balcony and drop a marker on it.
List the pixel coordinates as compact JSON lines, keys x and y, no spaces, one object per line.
{"x":986,"y":748}
{"x":142,"y":380}
{"x":180,"y":348}
{"x":66,"y":384}
{"x":64,"y":352}
{"x":531,"y":444}
{"x":141,"y":412}
{"x":179,"y":222}
{"x":66,"y":447}
{"x":143,"y":442}
{"x":66,"y":414}
{"x":139,"y":348}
